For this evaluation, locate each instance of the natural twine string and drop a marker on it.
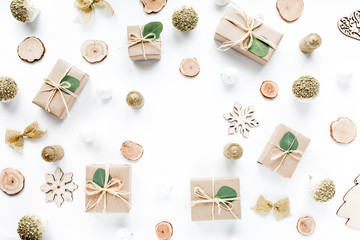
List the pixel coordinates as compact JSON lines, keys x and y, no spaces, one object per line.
{"x":221,"y":203}
{"x":135,"y":39}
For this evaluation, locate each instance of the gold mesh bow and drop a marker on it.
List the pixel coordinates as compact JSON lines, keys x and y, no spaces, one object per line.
{"x":87,"y":7}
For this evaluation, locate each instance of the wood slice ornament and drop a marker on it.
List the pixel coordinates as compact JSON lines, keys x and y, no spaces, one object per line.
{"x":343,"y":130}
{"x":164,"y":230}
{"x":290,"y":10}
{"x":94,"y":51}
{"x":350,"y":26}
{"x":306,"y":226}
{"x":11,"y":181}
{"x":269,"y":89}
{"x":153,"y":6}
{"x":351,"y":207}
{"x":132,"y":151}
{"x":31,"y":49}
{"x":190,"y":67}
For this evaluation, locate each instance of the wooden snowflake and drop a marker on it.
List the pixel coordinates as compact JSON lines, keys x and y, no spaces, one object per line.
{"x":241,"y":119}
{"x":59,"y":187}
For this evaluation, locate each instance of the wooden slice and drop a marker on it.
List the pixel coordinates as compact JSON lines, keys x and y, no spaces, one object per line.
{"x":11,"y":181}
{"x":94,"y":51}
{"x":343,"y":130}
{"x":153,"y":6}
{"x":306,"y":225}
{"x":31,"y":49}
{"x":132,"y":151}
{"x":269,"y":89}
{"x":190,"y":67}
{"x":164,"y":230}
{"x":290,"y":10}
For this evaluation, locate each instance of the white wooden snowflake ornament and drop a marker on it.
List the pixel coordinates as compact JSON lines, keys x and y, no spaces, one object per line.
{"x":241,"y":119}
{"x":59,"y":187}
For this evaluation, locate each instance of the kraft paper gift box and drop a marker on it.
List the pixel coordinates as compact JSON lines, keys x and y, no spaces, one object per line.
{"x":140,"y":50}
{"x":203,"y":199}
{"x":53,"y":100}
{"x":228,"y":31}
{"x":283,"y":156}
{"x":117,"y":198}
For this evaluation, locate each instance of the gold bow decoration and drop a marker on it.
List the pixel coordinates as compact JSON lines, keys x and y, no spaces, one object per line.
{"x":281,"y":208}
{"x":87,"y":7}
{"x":97,"y":193}
{"x":251,"y":23}
{"x":149,"y":38}
{"x":15,"y":139}
{"x":225,"y":204}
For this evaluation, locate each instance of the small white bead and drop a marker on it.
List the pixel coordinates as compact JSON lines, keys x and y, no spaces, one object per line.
{"x":344,"y":77}
{"x":221,"y":2}
{"x":87,"y":133}
{"x":230,"y":75}
{"x":123,"y":234}
{"x":165,"y":186}
{"x":105,"y":91}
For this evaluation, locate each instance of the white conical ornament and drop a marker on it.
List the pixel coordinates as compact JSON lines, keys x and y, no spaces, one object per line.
{"x":344,"y":77}
{"x":123,"y":234}
{"x":321,"y":189}
{"x":230,"y":75}
{"x":87,"y":133}
{"x":24,"y":10}
{"x":104,"y":90}
{"x":234,"y":237}
{"x":165,"y":186}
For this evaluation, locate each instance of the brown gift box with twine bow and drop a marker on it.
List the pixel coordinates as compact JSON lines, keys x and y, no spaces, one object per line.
{"x":228,"y":32}
{"x":204,"y":205}
{"x":116,"y":198}
{"x":278,"y":159}
{"x":142,"y":50}
{"x":61,"y":102}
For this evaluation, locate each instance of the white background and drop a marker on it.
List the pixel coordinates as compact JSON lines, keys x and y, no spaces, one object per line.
{"x":181,"y":126}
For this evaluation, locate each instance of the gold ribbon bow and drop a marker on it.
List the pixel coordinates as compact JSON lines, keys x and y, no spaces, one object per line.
{"x":281,"y":208}
{"x":221,"y":203}
{"x":58,"y":87}
{"x":15,"y":139}
{"x":87,"y":7}
{"x":284,"y":153}
{"x":149,"y":38}
{"x":251,"y":23}
{"x":112,"y":187}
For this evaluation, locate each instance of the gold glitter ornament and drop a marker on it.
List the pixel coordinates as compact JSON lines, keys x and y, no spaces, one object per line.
{"x":135,"y":100}
{"x":321,"y":189}
{"x":30,"y":227}
{"x":233,"y":151}
{"x":8,"y":89}
{"x":24,"y":10}
{"x":185,"y":19}
{"x":306,"y":88}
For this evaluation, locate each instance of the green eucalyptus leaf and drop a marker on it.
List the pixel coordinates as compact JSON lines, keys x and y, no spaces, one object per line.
{"x":153,"y":27}
{"x":99,"y":177}
{"x":226,"y":192}
{"x":259,"y":48}
{"x":73,"y":83}
{"x":289,"y":142}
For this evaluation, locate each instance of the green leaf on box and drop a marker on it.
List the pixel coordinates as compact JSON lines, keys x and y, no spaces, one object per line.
{"x":152,"y":27}
{"x":99,"y":177}
{"x":73,"y":83}
{"x":226,"y":192}
{"x":259,"y":48}
{"x":289,"y":142}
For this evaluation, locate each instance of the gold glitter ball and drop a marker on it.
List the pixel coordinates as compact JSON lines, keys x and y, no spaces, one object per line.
{"x":185,"y":19}
{"x":8,"y":89}
{"x":135,"y":100}
{"x":306,"y":87}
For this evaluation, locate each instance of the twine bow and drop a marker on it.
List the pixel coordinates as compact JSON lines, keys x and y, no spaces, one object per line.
{"x":251,"y":23}
{"x":15,"y":139}
{"x":58,"y":87}
{"x":112,"y":187}
{"x":87,"y":7}
{"x":149,"y":38}
{"x":284,"y":153}
{"x":225,"y":204}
